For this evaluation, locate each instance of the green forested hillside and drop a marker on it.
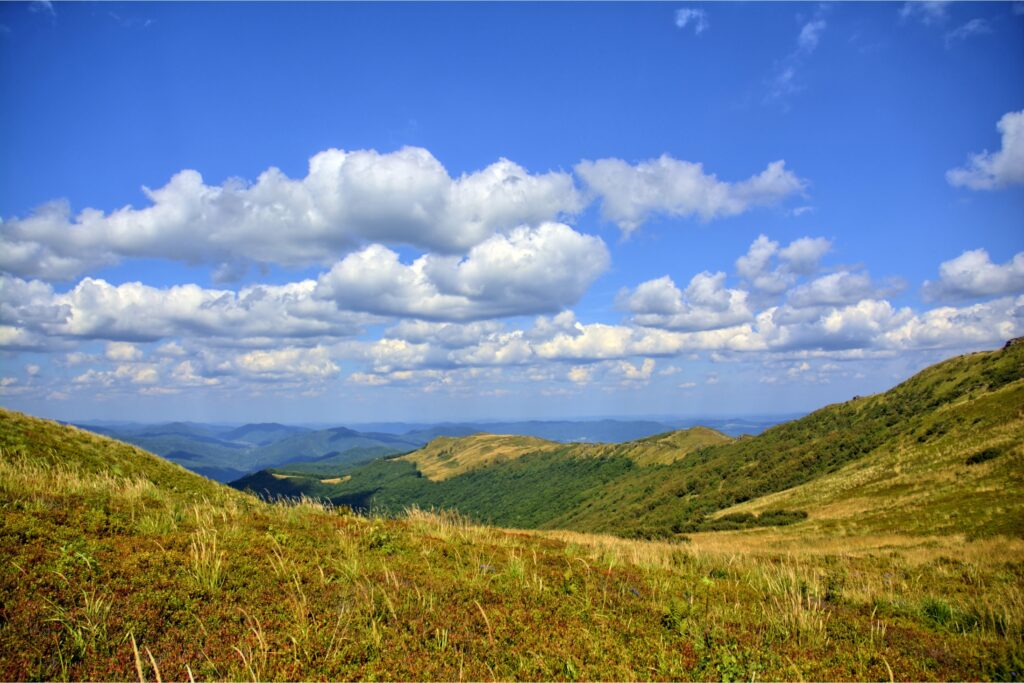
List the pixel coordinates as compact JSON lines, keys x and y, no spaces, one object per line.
{"x":678,"y":483}
{"x":957,"y":399}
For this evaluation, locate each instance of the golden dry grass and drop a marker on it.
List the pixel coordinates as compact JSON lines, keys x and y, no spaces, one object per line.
{"x":447,"y":457}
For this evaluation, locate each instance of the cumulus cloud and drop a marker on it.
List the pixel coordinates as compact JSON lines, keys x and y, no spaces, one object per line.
{"x":314,"y":363}
{"x":630,"y":194}
{"x":636,"y":373}
{"x":803,"y":255}
{"x":346,"y":199}
{"x":971,"y":326}
{"x":842,"y":327}
{"x":190,"y":373}
{"x":447,"y":335}
{"x":528,"y":271}
{"x":972,"y":274}
{"x":580,"y":374}
{"x":834,"y":289}
{"x":697,"y":18}
{"x":706,"y":304}
{"x":991,"y":170}
{"x":800,"y":257}
{"x":131,"y":374}
{"x":123,"y":352}
{"x":95,"y":309}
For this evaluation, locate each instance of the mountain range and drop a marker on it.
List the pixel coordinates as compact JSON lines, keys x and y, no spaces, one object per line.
{"x":228,"y":452}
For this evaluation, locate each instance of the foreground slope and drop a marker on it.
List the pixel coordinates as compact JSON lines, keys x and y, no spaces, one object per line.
{"x":109,"y":551}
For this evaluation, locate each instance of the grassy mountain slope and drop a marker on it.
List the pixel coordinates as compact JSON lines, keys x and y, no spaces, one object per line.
{"x":951,"y":403}
{"x":498,"y":479}
{"x":961,"y":470}
{"x":263,"y":433}
{"x":446,"y":457}
{"x":662,"y":449}
{"x":108,"y":552}
{"x":678,"y":497}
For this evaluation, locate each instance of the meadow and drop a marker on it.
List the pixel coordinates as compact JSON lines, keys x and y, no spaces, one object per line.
{"x":878,"y":539}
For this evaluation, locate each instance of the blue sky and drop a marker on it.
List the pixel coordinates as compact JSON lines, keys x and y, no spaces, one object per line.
{"x":462,"y":211}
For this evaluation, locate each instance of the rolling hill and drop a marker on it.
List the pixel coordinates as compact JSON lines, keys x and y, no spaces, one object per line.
{"x":226,"y":453}
{"x":678,"y":483}
{"x":120,"y":565}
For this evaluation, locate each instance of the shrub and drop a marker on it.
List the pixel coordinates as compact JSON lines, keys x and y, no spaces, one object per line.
{"x":983,"y":456}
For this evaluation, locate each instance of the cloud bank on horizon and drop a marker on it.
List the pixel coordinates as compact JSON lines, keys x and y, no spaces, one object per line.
{"x":380,"y":277}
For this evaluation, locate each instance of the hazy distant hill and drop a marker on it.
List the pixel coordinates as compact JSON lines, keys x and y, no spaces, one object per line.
{"x":227,"y":453}
{"x":263,"y":433}
{"x":597,"y":431}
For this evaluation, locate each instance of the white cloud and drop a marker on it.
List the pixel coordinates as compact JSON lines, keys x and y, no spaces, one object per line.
{"x":972,"y":274}
{"x":697,"y":17}
{"x":345,"y":200}
{"x":95,"y":309}
{"x":388,"y":355}
{"x":123,"y":352}
{"x":974,"y":27}
{"x":636,"y":373}
{"x":785,"y":79}
{"x":991,"y":170}
{"x":835,"y":289}
{"x":706,"y":304}
{"x":188,"y":373}
{"x":631,"y":193}
{"x":448,"y":335}
{"x":927,"y":11}
{"x":580,"y":374}
{"x":800,"y":257}
{"x":511,"y":348}
{"x":810,"y":34}
{"x":803,"y":255}
{"x":314,"y":363}
{"x":988,"y":323}
{"x":42,"y":6}
{"x":120,"y":377}
{"x":172,"y":349}
{"x":530,"y":270}
{"x":852,"y":326}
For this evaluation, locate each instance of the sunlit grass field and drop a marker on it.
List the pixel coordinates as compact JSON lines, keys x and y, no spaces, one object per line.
{"x":119,"y":565}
